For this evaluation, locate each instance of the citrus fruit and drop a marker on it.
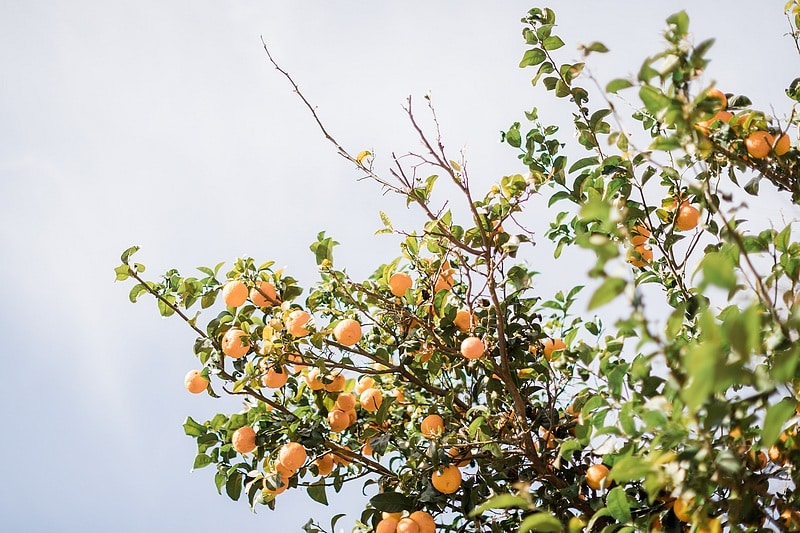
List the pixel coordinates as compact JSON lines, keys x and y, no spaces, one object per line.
{"x":406,"y":525}
{"x":758,"y":144}
{"x":337,"y":384}
{"x":687,"y":217}
{"x":424,"y":355}
{"x":472,"y":348}
{"x":399,"y":283}
{"x":432,"y":426}
{"x":681,"y":509}
{"x":446,"y":480}
{"x":345,"y":401}
{"x":244,"y":439}
{"x":195,"y":382}
{"x":424,"y":521}
{"x":232,"y":344}
{"x":313,"y":380}
{"x":552,"y":345}
{"x":234,"y":293}
{"x":351,"y":413}
{"x":367,"y":449}
{"x":338,"y":420}
{"x":276,"y":377}
{"x":463,"y":320}
{"x":284,"y":485}
{"x":782,"y":145}
{"x":718,"y":95}
{"x":364,"y":383}
{"x":640,"y":234}
{"x":347,"y":332}
{"x":324,"y":464}
{"x":296,"y":322}
{"x":371,"y":399}
{"x":595,"y":475}
{"x":640,"y":255}
{"x":396,"y":516}
{"x":704,"y":126}
{"x":292,"y":455}
{"x":462,"y":457}
{"x":387,"y":525}
{"x":264,"y":294}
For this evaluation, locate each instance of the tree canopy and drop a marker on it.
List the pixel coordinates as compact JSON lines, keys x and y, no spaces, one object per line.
{"x":461,"y":393}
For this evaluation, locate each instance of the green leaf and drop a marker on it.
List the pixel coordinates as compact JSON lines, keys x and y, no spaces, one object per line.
{"x":534,"y":56}
{"x":718,"y":269}
{"x":544,"y":522}
{"x":617,"y":503}
{"x":193,"y":428}
{"x":777,"y":415}
{"x":631,"y":468}
{"x":513,"y":137}
{"x":606,"y":292}
{"x":595,"y":47}
{"x":201,"y":460}
{"x":583,"y":163}
{"x":614,"y":86}
{"x":391,"y":502}
{"x":123,"y":272}
{"x":129,"y":252}
{"x":233,"y":487}
{"x":317,"y":492}
{"x":501,"y":501}
{"x":552,"y":43}
{"x":793,"y":91}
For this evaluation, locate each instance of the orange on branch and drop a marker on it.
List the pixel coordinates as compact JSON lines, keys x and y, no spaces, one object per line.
{"x":446,"y":480}
{"x":406,"y":525}
{"x":782,"y":145}
{"x":681,"y":509}
{"x":347,"y":332}
{"x":264,"y":294}
{"x":432,"y":426}
{"x":313,"y":379}
{"x":338,"y":420}
{"x":234,"y":293}
{"x":550,"y":346}
{"x":296,"y":323}
{"x":472,"y":348}
{"x":345,"y":401}
{"x":292,"y":455}
{"x":371,"y":400}
{"x":364,"y":383}
{"x":233,"y":344}
{"x":716,"y":94}
{"x":337,"y":384}
{"x":686,"y":217}
{"x":424,"y":521}
{"x":399,"y":283}
{"x":640,"y":256}
{"x":276,"y":377}
{"x":758,"y":144}
{"x":704,"y":126}
{"x":463,"y":320}
{"x":387,"y":525}
{"x":595,"y":475}
{"x":244,"y":439}
{"x":195,"y":382}
{"x":324,"y":464}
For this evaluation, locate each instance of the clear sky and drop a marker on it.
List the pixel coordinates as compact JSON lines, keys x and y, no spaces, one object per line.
{"x":162,"y":124}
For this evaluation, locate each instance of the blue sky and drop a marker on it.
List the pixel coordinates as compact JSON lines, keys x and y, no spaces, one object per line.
{"x":162,"y":124}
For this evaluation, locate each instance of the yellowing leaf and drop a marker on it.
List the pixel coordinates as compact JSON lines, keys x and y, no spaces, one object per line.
{"x":362,"y":155}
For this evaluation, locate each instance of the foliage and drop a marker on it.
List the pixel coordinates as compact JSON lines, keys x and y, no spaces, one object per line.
{"x":691,"y":401}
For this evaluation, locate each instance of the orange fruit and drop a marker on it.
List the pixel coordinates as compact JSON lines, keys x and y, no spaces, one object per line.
{"x":595,"y":475}
{"x":399,"y":283}
{"x":444,"y":279}
{"x":232,"y":344}
{"x":424,"y":355}
{"x":244,"y":439}
{"x":640,"y":255}
{"x":424,"y":521}
{"x":364,"y":383}
{"x":371,"y":400}
{"x":292,"y":455}
{"x":681,"y":509}
{"x":406,"y":525}
{"x":313,"y":380}
{"x":234,"y":293}
{"x":686,"y":217}
{"x":347,"y":332}
{"x":718,"y":95}
{"x":297,"y":361}
{"x":447,"y":480}
{"x":296,"y":323}
{"x":432,"y":426}
{"x":782,"y":145}
{"x":338,"y":383}
{"x":276,"y":377}
{"x":264,"y":294}
{"x":461,"y":456}
{"x":279,"y":490}
{"x":463,"y":320}
{"x":704,"y":126}
{"x":338,"y":420}
{"x":195,"y":382}
{"x":367,"y":449}
{"x":351,"y":413}
{"x":396,"y":516}
{"x":324,"y":464}
{"x":387,"y":525}
{"x":345,"y":401}
{"x":552,"y":345}
{"x":758,"y":144}
{"x":472,"y":348}
{"x":639,"y":235}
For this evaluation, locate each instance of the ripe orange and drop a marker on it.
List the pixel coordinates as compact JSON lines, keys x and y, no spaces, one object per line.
{"x":347,"y":332}
{"x":244,"y":439}
{"x":264,"y":294}
{"x":463,"y":320}
{"x":681,"y":509}
{"x":595,"y":475}
{"x":399,"y":283}
{"x":396,"y":516}
{"x":406,"y":525}
{"x":324,"y":464}
{"x":296,"y":323}
{"x":351,"y":413}
{"x":297,"y":361}
{"x":444,"y":279}
{"x":718,"y":95}
{"x":552,"y":345}
{"x":279,"y":490}
{"x":338,"y":420}
{"x":446,"y":480}
{"x":276,"y":377}
{"x":432,"y":426}
{"x":346,"y":401}
{"x":338,"y":383}
{"x":424,"y":521}
{"x":639,"y":235}
{"x":234,"y":293}
{"x":782,"y":145}
{"x":704,"y":126}
{"x":758,"y":144}
{"x":472,"y":348}
{"x":686,"y":217}
{"x":232,"y":344}
{"x":292,"y":455}
{"x":640,"y":255}
{"x":371,"y":400}
{"x":364,"y":383}
{"x":387,"y":525}
{"x":367,"y":449}
{"x":195,"y":382}
{"x":313,"y":380}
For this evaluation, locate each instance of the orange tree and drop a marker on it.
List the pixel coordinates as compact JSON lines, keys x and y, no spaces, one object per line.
{"x":469,"y":400}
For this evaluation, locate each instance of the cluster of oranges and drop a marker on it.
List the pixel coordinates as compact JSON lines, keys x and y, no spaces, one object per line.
{"x":686,"y":217}
{"x":416,"y":522}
